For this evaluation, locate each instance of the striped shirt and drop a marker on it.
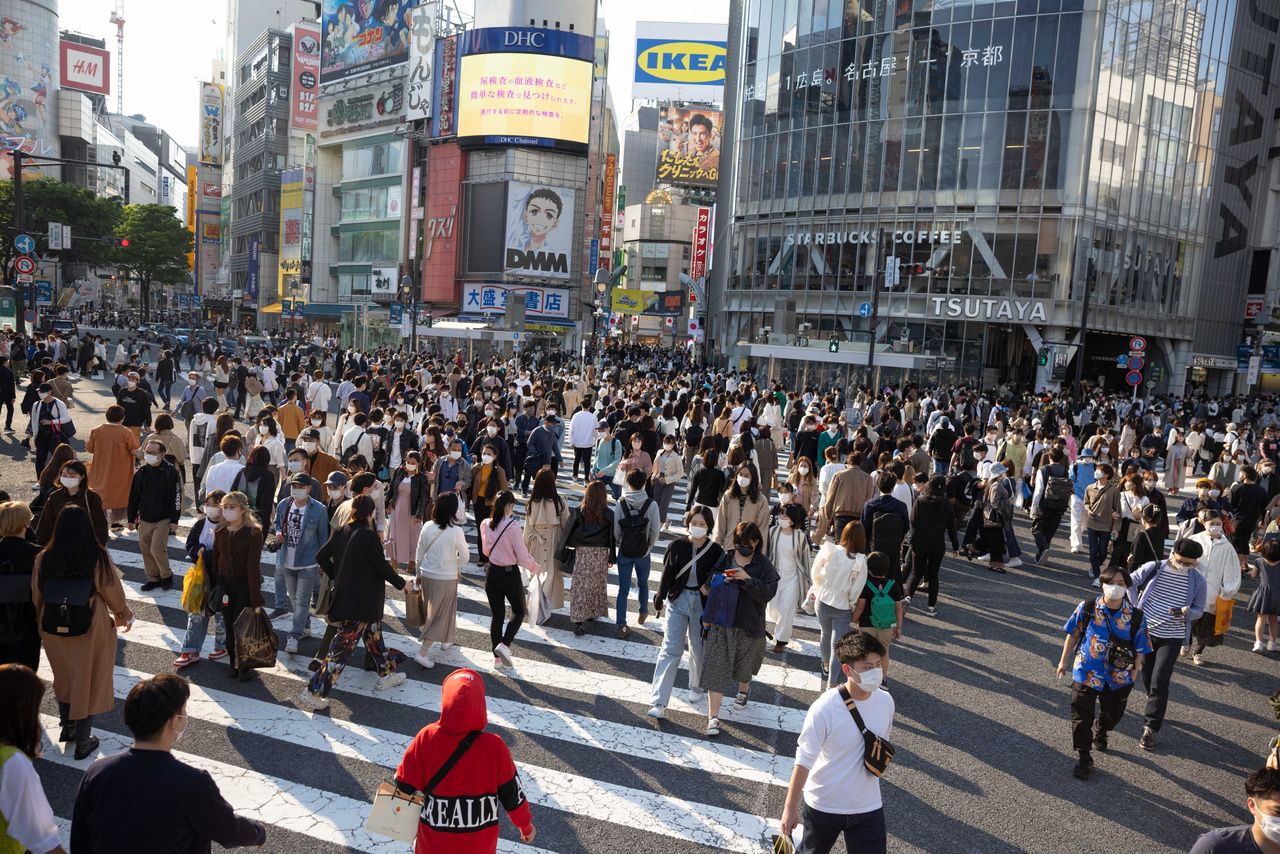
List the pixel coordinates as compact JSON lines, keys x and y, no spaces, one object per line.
{"x":1167,"y":589}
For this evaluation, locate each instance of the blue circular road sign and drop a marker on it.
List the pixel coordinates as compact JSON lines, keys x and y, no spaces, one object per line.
{"x":24,"y":243}
{"x":1133,"y":378}
{"x":864,"y":310}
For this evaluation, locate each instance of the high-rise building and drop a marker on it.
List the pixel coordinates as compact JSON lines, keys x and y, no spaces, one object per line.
{"x":960,"y":183}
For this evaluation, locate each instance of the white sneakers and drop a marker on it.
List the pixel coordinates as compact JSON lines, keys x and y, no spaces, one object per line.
{"x":312,"y":701}
{"x":1271,"y":646}
{"x":1097,"y":582}
{"x":425,"y":659}
{"x":1013,"y":563}
{"x":291,"y":646}
{"x":1258,"y":647}
{"x":391,"y":680}
{"x":657,"y":712}
{"x":503,"y":652}
{"x":1197,"y":660}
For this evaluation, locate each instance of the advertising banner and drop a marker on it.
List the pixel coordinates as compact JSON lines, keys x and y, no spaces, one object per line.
{"x":680,"y":61}
{"x":539,"y":230}
{"x":363,"y":35}
{"x":524,"y":99}
{"x":306,"y":78}
{"x":211,"y":123}
{"x":444,"y":94}
{"x":422,"y":61}
{"x":383,"y":281}
{"x":688,"y":146}
{"x":635,"y":301}
{"x":363,"y":108}
{"x":698,"y":260}
{"x":1269,"y":363}
{"x":440,"y":227}
{"x":481,"y":298}
{"x":606,"y":205}
{"x":208,"y":251}
{"x":85,"y":68}
{"x":251,"y":282}
{"x":193,"y":192}
{"x":291,"y":205}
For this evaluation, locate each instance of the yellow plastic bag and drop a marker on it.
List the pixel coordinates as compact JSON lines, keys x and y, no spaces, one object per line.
{"x":193,"y":588}
{"x":1222,"y":618}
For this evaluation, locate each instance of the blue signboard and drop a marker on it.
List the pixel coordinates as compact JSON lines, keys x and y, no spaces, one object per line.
{"x":595,"y":257}
{"x":1270,"y":354}
{"x":197,"y":301}
{"x":44,"y":292}
{"x":528,"y":40}
{"x":397,"y":312}
{"x":184,"y":301}
{"x":24,"y":243}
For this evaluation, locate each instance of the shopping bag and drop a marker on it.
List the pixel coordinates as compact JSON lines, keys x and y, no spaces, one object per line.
{"x":256,"y":643}
{"x":394,"y":813}
{"x":538,"y":600}
{"x":1222,"y":620}
{"x":415,"y":605}
{"x":193,"y":588}
{"x":325,"y":600}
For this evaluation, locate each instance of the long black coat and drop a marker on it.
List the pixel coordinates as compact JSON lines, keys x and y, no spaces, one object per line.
{"x":355,"y":560}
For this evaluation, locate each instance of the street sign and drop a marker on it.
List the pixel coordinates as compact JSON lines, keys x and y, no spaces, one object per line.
{"x":864,"y":310}
{"x":1122,"y":361}
{"x":25,"y":278}
{"x":44,"y":292}
{"x":1138,"y":343}
{"x":1136,"y":363}
{"x":24,"y":265}
{"x":55,"y":235}
{"x":24,"y":243}
{"x":197,"y":301}
{"x":1133,"y":378}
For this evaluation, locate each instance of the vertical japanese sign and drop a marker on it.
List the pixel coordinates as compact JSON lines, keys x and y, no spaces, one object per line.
{"x":606,"y":209}
{"x":422,"y":60}
{"x":291,"y":204}
{"x":211,"y":123}
{"x":251,"y":276}
{"x":701,"y":231}
{"x":445,"y":92}
{"x":306,"y":78}
{"x":192,"y":189}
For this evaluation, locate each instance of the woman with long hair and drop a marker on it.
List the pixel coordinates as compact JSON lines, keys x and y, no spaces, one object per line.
{"x":546,"y":518}
{"x":236,"y":561}
{"x":27,"y":818}
{"x":60,"y":456}
{"x":74,"y":569}
{"x":72,"y":490}
{"x":839,"y":573}
{"x":933,"y":521}
{"x":355,"y":561}
{"x":257,"y":480}
{"x":408,"y":503}
{"x":441,"y":552}
{"x":589,"y":543}
{"x":742,"y":502}
{"x":503,"y":541}
{"x":805,"y":482}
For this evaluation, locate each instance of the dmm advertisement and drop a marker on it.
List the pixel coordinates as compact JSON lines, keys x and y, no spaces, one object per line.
{"x":539,"y":230}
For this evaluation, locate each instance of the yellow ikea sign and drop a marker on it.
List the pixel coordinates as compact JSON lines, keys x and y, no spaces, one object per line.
{"x":688,"y":62}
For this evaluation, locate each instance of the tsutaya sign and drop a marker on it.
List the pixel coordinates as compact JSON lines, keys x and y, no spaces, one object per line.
{"x":988,"y":308}
{"x":949,"y":236}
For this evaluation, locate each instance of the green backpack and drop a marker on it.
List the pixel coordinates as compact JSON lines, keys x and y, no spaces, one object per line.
{"x":884,"y":611}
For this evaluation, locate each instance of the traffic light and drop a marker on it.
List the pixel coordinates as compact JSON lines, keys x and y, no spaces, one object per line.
{"x":916,"y":269}
{"x":833,"y":346}
{"x":1044,"y":356}
{"x":119,"y":242}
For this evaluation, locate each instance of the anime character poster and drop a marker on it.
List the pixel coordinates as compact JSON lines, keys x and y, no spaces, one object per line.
{"x":539,"y":230}
{"x":359,"y":36}
{"x":28,"y":88}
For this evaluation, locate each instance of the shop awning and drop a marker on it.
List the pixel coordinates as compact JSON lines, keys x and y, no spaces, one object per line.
{"x":274,"y":308}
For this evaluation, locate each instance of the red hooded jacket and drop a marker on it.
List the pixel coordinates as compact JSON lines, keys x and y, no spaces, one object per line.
{"x":461,"y":815}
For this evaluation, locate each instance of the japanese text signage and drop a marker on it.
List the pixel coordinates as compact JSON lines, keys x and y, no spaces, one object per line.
{"x":689,"y":145}
{"x":362,"y":36}
{"x":422,"y":58}
{"x":306,"y":78}
{"x":445,"y":94}
{"x":606,"y":206}
{"x":211,"y":96}
{"x":492,"y":299}
{"x":698,"y":261}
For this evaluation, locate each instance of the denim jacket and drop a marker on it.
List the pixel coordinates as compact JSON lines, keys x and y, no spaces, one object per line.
{"x":315,"y":532}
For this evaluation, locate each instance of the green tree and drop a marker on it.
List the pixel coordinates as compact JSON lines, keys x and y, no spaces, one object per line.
{"x":157,"y":250}
{"x":93,"y":222}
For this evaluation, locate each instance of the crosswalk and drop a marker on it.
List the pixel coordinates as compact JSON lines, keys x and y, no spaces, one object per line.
{"x":599,"y":773}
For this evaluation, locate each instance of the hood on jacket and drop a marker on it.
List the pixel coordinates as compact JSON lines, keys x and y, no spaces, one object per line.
{"x":635,"y":499}
{"x":462,"y":705}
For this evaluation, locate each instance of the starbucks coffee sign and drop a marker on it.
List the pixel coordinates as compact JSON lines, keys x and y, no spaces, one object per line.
{"x":988,"y":309}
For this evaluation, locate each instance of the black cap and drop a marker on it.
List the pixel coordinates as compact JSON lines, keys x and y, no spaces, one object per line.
{"x":302,"y":479}
{"x":1189,"y":549}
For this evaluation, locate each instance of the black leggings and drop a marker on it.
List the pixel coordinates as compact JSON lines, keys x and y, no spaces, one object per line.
{"x":582,"y":456}
{"x":925,"y":567}
{"x":502,"y":585}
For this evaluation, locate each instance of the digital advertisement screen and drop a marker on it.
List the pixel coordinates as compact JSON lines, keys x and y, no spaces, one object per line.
{"x":539,"y":230}
{"x":524,"y":99}
{"x":364,"y":35}
{"x":689,"y":146}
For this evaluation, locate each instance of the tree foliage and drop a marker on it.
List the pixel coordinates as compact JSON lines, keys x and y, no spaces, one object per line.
{"x":93,"y":221}
{"x":157,"y":250}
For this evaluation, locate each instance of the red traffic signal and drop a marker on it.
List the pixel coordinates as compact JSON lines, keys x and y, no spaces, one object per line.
{"x":120,"y":242}
{"x":917,"y":269}
{"x":124,"y":242}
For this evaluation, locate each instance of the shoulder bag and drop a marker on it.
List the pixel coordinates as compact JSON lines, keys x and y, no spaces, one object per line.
{"x":396,"y":813}
{"x":877,"y":752}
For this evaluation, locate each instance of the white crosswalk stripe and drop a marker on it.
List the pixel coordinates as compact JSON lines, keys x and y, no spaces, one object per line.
{"x":592,"y":764}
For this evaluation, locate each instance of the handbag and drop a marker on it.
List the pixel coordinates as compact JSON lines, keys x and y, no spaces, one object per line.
{"x":415,"y":606}
{"x":877,"y":752}
{"x":1222,"y":616}
{"x":193,"y":588}
{"x":396,"y":814}
{"x":783,"y":844}
{"x":256,"y":643}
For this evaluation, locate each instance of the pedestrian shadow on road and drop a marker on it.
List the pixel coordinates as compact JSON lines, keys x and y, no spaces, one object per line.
{"x":11,"y":447}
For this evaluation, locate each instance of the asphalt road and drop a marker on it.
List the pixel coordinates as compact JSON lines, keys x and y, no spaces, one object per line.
{"x":982,"y":729}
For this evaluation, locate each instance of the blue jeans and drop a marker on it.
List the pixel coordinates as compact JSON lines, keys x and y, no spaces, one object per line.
{"x":198,"y":629}
{"x":607,"y":480}
{"x":1098,"y":542}
{"x":298,"y":584}
{"x":684,"y":617}
{"x":641,"y":566}
{"x":864,"y":832}
{"x":1011,"y":546}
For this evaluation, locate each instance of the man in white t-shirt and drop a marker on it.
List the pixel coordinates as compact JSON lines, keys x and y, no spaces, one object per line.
{"x":318,"y":394}
{"x":840,"y":794}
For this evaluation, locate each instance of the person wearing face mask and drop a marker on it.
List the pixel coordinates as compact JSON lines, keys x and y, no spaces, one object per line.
{"x":72,"y":490}
{"x":441,"y":552}
{"x":492,"y":436}
{"x":136,"y":400}
{"x":336,"y":493}
{"x":1262,"y":790}
{"x":318,"y":395}
{"x":791,"y":552}
{"x":1101,"y":513}
{"x":1171,"y":595}
{"x":267,"y":435}
{"x":235,"y":564}
{"x":408,"y":499}
{"x":155,"y":712}
{"x":319,"y":463}
{"x":290,"y":418}
{"x":1220,"y":566}
{"x":1226,"y":470}
{"x":733,"y":653}
{"x":804,"y":483}
{"x":199,"y":541}
{"x":687,"y":566}
{"x":1207,"y":497}
{"x":831,"y":792}
{"x":668,"y":470}
{"x":635,"y":458}
{"x":319,"y":421}
{"x":300,"y":526}
{"x":155,"y":506}
{"x":113,"y":447}
{"x":452,"y":473}
{"x":1247,"y":501}
{"x":1107,"y":639}
{"x":488,"y":481}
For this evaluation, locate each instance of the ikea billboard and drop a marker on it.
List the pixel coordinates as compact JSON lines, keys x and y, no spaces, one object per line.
{"x":677,"y":61}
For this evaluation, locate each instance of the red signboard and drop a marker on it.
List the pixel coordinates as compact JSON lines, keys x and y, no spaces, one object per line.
{"x":306,"y":78}
{"x":1253,"y":307}
{"x":698,"y":263}
{"x":85,"y":68}
{"x":440,"y":232}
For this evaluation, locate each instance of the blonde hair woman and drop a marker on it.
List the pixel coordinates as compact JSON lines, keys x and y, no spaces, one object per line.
{"x":237,"y":555}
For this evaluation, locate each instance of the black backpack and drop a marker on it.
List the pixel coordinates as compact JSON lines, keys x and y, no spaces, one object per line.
{"x":887,"y":533}
{"x":635,"y":530}
{"x":353,"y":451}
{"x":693,"y":435}
{"x":68,"y":607}
{"x":1057,"y":492}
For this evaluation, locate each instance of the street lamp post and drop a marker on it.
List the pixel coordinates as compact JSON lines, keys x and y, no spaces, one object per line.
{"x":293,"y":301}
{"x":409,"y":299}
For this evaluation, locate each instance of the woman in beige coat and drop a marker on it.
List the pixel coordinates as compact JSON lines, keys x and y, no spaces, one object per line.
{"x":83,"y":665}
{"x":546,"y":521}
{"x":742,"y":502}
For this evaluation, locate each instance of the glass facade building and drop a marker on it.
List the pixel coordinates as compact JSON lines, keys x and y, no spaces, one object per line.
{"x":967,"y":172}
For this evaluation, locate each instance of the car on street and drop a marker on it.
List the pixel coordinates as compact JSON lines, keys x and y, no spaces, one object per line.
{"x":182,"y":335}
{"x":62,"y":326}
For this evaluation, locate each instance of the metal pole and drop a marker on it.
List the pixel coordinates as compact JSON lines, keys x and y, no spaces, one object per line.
{"x":19,"y":215}
{"x":871,"y":334}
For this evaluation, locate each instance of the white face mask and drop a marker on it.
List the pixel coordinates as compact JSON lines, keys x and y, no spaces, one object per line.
{"x":316,"y":422}
{"x":295,"y":465}
{"x":784,"y":523}
{"x":400,"y":425}
{"x":193,"y":383}
{"x":213,"y":514}
{"x":1113,"y":592}
{"x":455,"y":455}
{"x":264,"y":430}
{"x":178,"y":736}
{"x":697,"y":532}
{"x":803,"y":469}
{"x":309,"y":447}
{"x":230,"y":514}
{"x":1215,"y":531}
{"x":335,"y":494}
{"x":151,"y":459}
{"x":1214,"y":493}
{"x":487,"y":459}
{"x":744,"y":481}
{"x":1099,"y":476}
{"x":1270,"y":824}
{"x":411,"y":467}
{"x":785,"y":497}
{"x":70,"y":482}
{"x":132,"y":385}
{"x":551,"y":412}
{"x":491,"y":430}
{"x":869,"y":680}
